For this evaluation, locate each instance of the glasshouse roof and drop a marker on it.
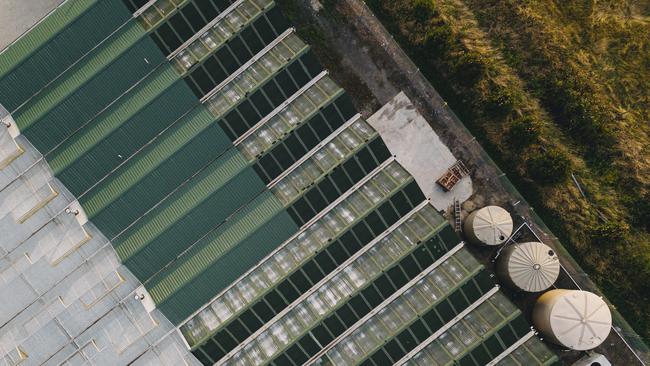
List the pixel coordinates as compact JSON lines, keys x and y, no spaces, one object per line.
{"x":237,"y":209}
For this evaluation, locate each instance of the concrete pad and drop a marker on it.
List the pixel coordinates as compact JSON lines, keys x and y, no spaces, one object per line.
{"x":17,"y":16}
{"x":419,"y":149}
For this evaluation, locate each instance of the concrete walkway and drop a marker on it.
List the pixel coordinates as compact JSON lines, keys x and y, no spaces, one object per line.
{"x":419,"y":149}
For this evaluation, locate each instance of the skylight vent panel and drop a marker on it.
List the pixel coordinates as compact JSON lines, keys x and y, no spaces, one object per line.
{"x":416,"y":297}
{"x":223,"y":30}
{"x":293,"y":254}
{"x":246,"y":290}
{"x":502,"y":304}
{"x":252,"y":74}
{"x":298,"y":250}
{"x":372,"y":193}
{"x":235,"y":19}
{"x":363,"y":129}
{"x":295,"y":44}
{"x":324,"y":159}
{"x":221,"y":310}
{"x":150,"y":17}
{"x":271,"y":271}
{"x":233,"y":299}
{"x":165,"y":7}
{"x":285,"y":261}
{"x":428,"y":289}
{"x":333,"y":222}
{"x":463,"y":335}
{"x":453,"y":270}
{"x":208,"y":318}
{"x":278,"y":124}
{"x":327,"y":297}
{"x":433,"y":355}
{"x":359,"y":201}
{"x":262,"y":3}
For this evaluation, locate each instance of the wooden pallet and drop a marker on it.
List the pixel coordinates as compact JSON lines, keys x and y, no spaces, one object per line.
{"x":454,"y":174}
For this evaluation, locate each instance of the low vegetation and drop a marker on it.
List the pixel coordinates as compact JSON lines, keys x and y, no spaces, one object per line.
{"x":559,"y":93}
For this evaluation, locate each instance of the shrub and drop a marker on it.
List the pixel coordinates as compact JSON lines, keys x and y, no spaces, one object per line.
{"x":469,"y":67}
{"x":572,"y":104}
{"x":549,"y":167}
{"x":609,"y":233}
{"x":438,"y":38}
{"x":640,"y":208}
{"x":523,"y":132}
{"x":422,"y":10}
{"x":500,"y":101}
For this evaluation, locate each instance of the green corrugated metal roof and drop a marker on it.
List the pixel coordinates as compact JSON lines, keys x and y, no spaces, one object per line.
{"x":188,"y":230}
{"x":130,"y":192}
{"x":226,"y":268}
{"x":54,"y":45}
{"x":112,"y":119}
{"x":146,"y":161}
{"x":205,"y":253}
{"x":80,"y":108}
{"x":141,"y":128}
{"x":180,"y":204}
{"x":189,"y":214}
{"x":79,"y":74}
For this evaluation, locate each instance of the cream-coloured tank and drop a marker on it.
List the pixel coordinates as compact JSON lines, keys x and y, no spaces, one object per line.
{"x":531,"y":267}
{"x":490,"y":225}
{"x":578,"y":320}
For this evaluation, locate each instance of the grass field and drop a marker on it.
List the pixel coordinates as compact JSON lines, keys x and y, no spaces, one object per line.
{"x":558,"y":92}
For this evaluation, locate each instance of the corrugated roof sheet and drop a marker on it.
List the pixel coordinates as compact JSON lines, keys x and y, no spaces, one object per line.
{"x":123,"y":142}
{"x":185,"y":230}
{"x":225,"y":269}
{"x":55,"y":44}
{"x":204,"y":254}
{"x":155,"y":171}
{"x":82,"y":71}
{"x":188,"y":213}
{"x":118,"y":114}
{"x":48,"y":128}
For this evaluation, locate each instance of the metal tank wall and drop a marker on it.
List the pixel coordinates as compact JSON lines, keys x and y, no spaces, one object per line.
{"x":578,"y":320}
{"x":490,"y":225}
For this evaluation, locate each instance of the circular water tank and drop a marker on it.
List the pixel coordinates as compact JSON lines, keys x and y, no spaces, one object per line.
{"x":578,"y":320}
{"x":531,"y":267}
{"x":490,"y":225}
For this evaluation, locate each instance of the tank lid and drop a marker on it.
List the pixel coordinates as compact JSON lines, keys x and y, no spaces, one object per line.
{"x":580,"y":320}
{"x":533,"y":266}
{"x":492,"y":225}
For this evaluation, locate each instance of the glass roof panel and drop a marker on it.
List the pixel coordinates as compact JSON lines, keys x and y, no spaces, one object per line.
{"x":253,"y":74}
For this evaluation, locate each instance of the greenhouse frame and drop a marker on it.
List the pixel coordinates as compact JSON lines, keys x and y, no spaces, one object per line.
{"x":186,"y":184}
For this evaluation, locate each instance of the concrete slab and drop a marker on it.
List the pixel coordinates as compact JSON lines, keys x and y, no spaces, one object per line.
{"x":17,"y":16}
{"x":419,"y":149}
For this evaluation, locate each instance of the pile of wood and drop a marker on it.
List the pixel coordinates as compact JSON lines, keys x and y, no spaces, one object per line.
{"x":454,"y":174}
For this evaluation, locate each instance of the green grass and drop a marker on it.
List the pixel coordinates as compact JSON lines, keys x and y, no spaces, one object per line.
{"x":553,"y":89}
